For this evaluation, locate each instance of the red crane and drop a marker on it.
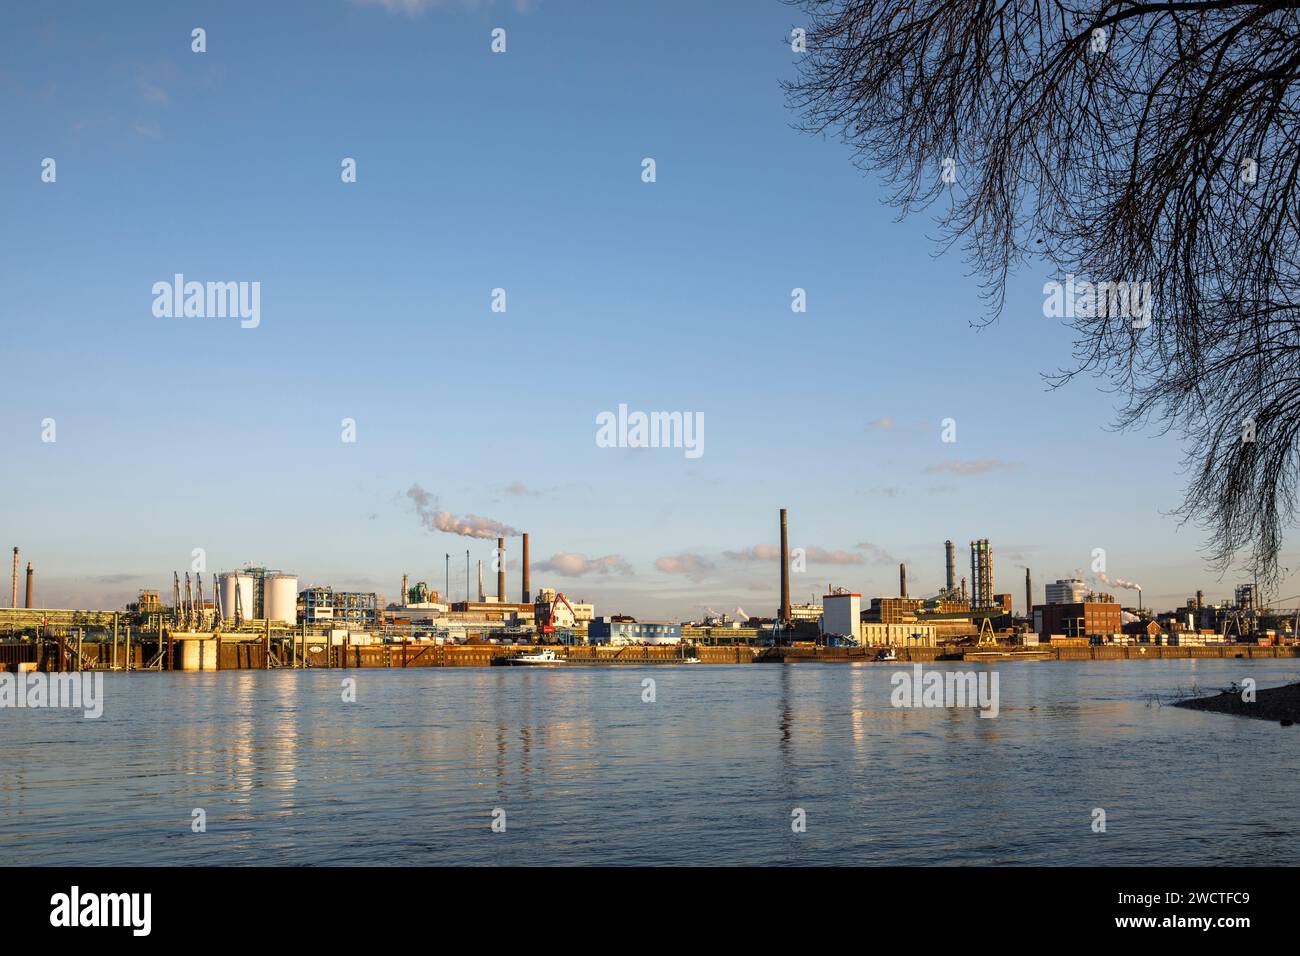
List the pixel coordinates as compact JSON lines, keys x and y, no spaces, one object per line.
{"x":549,"y":626}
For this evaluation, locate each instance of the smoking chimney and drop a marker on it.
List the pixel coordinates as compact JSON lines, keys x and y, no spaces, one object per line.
{"x":501,"y":570}
{"x":14,"y":600}
{"x":785,"y":571}
{"x":30,"y":577}
{"x":528,"y":598}
{"x":405,"y":591}
{"x":950,"y":556}
{"x":1029,"y":596}
{"x":481,"y":596}
{"x":902,"y":579}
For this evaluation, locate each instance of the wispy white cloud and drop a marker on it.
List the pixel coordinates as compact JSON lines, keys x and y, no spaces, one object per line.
{"x":153,"y":92}
{"x":690,"y":564}
{"x":813,"y":555}
{"x":571,"y":565}
{"x":973,"y":466}
{"x":415,"y":8}
{"x":885,"y":491}
{"x":876,"y":553}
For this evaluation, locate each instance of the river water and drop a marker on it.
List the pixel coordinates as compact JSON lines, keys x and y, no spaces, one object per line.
{"x":582,"y":769}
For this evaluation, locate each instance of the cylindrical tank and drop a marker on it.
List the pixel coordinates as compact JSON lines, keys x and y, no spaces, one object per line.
{"x":280,"y":597}
{"x":227,"y":583}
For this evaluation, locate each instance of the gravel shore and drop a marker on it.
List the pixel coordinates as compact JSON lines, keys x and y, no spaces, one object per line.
{"x":1273,"y":703}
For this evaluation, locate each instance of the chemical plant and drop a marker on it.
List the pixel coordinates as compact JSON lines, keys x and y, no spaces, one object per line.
{"x":260,"y":618}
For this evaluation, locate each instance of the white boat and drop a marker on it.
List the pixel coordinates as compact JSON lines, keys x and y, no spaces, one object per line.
{"x":541,"y":657}
{"x":689,"y":660}
{"x":887,"y":655}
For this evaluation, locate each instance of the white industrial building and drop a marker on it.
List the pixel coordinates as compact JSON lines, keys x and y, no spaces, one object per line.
{"x":1067,"y":591}
{"x":842,"y":615}
{"x":607,"y":630}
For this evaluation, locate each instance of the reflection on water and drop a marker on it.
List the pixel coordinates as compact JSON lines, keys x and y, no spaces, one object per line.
{"x":410,"y":773}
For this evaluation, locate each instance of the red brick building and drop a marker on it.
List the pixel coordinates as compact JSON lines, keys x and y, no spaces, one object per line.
{"x":1078,"y":620}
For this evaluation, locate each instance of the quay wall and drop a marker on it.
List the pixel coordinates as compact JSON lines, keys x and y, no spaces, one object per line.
{"x":250,"y":654}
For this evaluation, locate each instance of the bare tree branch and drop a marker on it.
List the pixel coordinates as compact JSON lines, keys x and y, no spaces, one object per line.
{"x":1123,"y":142}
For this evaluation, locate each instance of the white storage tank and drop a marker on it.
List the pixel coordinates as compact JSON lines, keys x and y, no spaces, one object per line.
{"x":226,"y":583}
{"x":280,"y":598}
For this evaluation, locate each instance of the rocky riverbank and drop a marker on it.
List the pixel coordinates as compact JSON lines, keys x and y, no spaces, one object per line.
{"x":1274,"y":703}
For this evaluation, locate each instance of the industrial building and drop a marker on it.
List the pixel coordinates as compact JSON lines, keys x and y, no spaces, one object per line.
{"x":625,"y":630}
{"x":559,"y":610}
{"x":1244,"y":597}
{"x":1083,"y":619}
{"x":899,"y":635}
{"x":1066,"y":591}
{"x":981,"y":574}
{"x":894,"y":610}
{"x":842,"y":614}
{"x":809,"y":613}
{"x":351,"y":609}
{"x":729,"y":633}
{"x":494,"y":610}
{"x":255,"y":594}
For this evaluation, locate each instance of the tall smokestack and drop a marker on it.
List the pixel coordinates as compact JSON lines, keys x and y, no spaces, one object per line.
{"x":785,"y":571}
{"x":902,"y":579}
{"x":14,"y":600}
{"x":405,"y":591}
{"x":950,"y":558}
{"x":501,"y":570}
{"x":30,"y":576}
{"x":1029,"y":596}
{"x":481,"y":596}
{"x":964,"y":599}
{"x":528,"y":597}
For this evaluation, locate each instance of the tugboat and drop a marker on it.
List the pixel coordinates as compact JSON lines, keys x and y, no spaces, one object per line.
{"x":887,"y":654}
{"x":540,"y":658}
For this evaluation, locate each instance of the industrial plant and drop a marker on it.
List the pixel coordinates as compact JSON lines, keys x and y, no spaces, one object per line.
{"x":261,"y":618}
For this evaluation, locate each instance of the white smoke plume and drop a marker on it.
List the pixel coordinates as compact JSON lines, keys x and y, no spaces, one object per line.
{"x":1104,"y":578}
{"x":467,"y":526}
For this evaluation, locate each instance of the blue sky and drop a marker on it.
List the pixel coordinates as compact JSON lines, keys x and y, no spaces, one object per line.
{"x":521,"y":171}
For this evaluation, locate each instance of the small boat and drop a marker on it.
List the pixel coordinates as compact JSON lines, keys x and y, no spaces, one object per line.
{"x":689,"y":660}
{"x":541,"y":657}
{"x":887,"y":655}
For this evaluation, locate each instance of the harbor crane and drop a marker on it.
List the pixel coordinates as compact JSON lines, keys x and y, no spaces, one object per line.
{"x":549,"y":626}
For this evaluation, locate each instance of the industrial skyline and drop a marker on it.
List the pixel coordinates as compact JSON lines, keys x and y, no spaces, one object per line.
{"x":171,"y":434}
{"x":981,"y":591}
